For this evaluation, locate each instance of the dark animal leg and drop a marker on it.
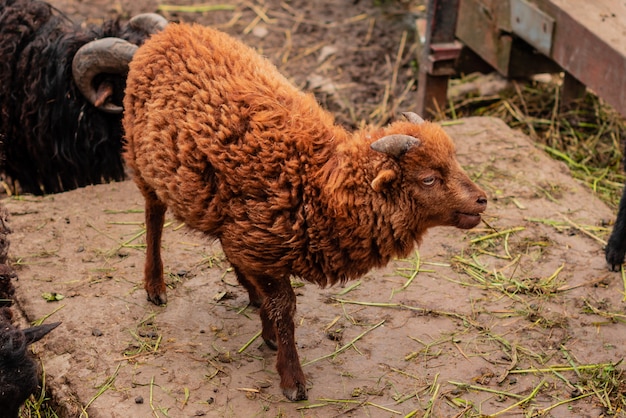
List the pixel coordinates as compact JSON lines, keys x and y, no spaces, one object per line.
{"x":153,"y":273}
{"x":616,"y":247}
{"x":277,"y":313}
{"x":255,"y":298}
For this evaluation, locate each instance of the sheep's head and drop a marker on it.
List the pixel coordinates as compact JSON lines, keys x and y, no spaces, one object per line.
{"x":19,"y":373}
{"x":424,"y":174}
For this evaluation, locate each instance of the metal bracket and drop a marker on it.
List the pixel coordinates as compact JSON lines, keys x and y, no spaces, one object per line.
{"x":532,"y":25}
{"x":442,"y":58}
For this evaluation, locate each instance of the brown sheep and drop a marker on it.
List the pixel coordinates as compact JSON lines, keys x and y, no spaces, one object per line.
{"x":215,"y":133}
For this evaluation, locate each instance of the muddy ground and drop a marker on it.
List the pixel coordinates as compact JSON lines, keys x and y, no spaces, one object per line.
{"x":516,"y":317}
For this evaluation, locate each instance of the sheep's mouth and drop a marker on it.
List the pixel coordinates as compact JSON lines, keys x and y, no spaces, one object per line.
{"x":467,"y":220}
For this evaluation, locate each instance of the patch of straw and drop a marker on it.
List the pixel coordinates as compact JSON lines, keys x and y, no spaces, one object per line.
{"x":346,"y":346}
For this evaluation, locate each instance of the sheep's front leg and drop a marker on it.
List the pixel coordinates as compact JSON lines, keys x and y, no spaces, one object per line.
{"x":277,"y":313}
{"x":153,"y":271}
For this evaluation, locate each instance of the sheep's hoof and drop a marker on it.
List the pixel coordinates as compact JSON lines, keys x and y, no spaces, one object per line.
{"x":296,"y":394}
{"x":158,"y":299}
{"x":614,"y":259}
{"x":614,"y":267}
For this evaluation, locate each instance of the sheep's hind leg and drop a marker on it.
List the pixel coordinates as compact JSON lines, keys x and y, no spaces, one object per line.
{"x":153,"y":271}
{"x":277,"y":313}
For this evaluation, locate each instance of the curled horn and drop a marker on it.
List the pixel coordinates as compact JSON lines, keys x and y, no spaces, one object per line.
{"x":109,"y":55}
{"x":413,"y":117}
{"x":395,"y":145}
{"x":37,"y":333}
{"x":106,"y":55}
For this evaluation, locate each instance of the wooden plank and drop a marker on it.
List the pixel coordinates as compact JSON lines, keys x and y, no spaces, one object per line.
{"x":484,"y":26}
{"x":590,"y":44}
{"x":605,"y":18}
{"x":436,"y":62}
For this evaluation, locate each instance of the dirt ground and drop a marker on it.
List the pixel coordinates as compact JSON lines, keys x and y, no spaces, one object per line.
{"x":412,"y":337}
{"x":518,"y":316}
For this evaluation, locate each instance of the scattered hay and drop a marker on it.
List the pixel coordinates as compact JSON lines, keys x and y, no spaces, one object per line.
{"x":587,"y":134}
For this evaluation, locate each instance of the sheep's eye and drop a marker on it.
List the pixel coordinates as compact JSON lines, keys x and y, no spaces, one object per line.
{"x":429,"y":181}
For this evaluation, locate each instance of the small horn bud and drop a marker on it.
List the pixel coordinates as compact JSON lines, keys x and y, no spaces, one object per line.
{"x":395,"y":145}
{"x":413,"y":117}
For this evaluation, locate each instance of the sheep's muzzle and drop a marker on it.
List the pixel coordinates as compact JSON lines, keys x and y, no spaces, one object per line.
{"x":467,"y":220}
{"x":470,"y":218}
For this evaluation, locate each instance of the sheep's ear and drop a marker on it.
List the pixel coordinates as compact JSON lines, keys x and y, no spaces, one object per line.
{"x":37,"y":333}
{"x":382,"y":179}
{"x":413,"y":117}
{"x":395,"y":145}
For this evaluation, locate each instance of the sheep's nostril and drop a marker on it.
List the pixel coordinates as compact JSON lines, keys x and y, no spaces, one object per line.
{"x":482,"y":200}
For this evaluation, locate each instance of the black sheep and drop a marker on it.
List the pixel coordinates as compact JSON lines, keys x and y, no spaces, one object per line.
{"x":19,"y":372}
{"x":54,"y":139}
